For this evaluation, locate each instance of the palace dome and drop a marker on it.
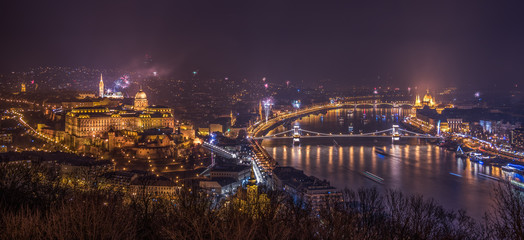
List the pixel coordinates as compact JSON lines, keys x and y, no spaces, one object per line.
{"x":140,"y":95}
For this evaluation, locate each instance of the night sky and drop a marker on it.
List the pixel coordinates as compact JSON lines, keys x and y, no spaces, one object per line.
{"x":424,"y":43}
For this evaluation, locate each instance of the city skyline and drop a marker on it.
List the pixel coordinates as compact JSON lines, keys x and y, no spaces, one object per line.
{"x":258,"y":120}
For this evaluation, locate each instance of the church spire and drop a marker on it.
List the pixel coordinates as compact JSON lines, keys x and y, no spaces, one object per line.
{"x":101,"y":87}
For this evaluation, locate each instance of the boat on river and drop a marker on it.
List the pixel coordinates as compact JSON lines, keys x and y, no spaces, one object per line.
{"x":381,"y":151}
{"x":373,"y":177}
{"x":478,"y":157}
{"x":516,"y":168}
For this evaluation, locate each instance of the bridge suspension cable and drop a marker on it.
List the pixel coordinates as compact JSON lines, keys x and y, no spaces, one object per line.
{"x":382,"y":131}
{"x":414,"y":133}
{"x":370,"y":134}
{"x":317,"y":133}
{"x":330,"y":134}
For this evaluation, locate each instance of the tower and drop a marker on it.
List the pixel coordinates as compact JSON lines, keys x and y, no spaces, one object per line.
{"x":23,"y":88}
{"x":260,"y":110}
{"x":252,"y":188}
{"x":101,"y":87}
{"x":111,"y":139}
{"x":140,"y":100}
{"x":232,"y":118}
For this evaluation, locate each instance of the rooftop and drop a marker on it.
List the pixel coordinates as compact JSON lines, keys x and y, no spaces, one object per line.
{"x":153,"y":180}
{"x":229,"y":168}
{"x":60,"y":157}
{"x":223,"y":181}
{"x":298,"y":180}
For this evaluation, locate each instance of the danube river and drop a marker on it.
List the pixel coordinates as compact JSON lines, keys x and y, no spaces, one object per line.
{"x":413,"y":166}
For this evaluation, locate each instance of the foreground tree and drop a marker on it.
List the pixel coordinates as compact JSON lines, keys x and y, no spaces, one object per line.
{"x":506,"y":219}
{"x":34,"y":205}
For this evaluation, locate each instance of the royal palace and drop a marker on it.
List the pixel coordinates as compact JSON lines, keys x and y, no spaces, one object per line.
{"x":96,"y":122}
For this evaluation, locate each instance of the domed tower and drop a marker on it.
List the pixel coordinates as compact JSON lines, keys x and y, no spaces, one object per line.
{"x":140,"y":100}
{"x":428,"y":99}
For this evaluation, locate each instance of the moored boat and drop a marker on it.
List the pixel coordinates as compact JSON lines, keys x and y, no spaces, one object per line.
{"x":478,"y":157}
{"x":516,"y":168}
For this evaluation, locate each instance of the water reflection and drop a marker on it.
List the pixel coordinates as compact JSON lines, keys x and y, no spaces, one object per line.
{"x":340,"y":155}
{"x":415,"y":167}
{"x":330,"y":155}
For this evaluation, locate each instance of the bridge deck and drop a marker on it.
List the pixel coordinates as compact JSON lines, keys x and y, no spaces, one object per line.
{"x":348,"y":136}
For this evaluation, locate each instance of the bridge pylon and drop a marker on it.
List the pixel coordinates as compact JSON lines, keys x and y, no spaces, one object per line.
{"x":296,"y":134}
{"x":395,"y":134}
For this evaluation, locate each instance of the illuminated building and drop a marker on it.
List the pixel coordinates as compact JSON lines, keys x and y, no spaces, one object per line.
{"x":87,"y":122}
{"x":444,"y":127}
{"x":456,"y":125}
{"x":517,"y":137}
{"x":203,"y":131}
{"x":84,"y":95}
{"x":116,"y":95}
{"x":154,"y":145}
{"x":187,"y":131}
{"x":94,"y":121}
{"x":101,"y":87}
{"x":23,"y":88}
{"x":140,"y":100}
{"x":429,"y":101}
{"x":426,"y":101}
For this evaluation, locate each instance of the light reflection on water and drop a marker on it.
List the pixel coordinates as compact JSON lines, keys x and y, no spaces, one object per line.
{"x":415,"y":167}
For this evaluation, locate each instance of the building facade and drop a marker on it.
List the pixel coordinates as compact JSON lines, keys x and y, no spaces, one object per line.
{"x":98,"y":120}
{"x":517,"y":137}
{"x":318,"y":193}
